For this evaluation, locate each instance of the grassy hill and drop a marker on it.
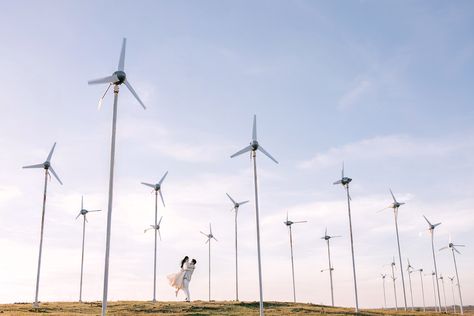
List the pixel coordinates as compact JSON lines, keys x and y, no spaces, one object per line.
{"x":195,"y":308}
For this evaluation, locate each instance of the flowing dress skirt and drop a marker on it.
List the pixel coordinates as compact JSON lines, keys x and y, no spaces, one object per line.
{"x":176,"y":279}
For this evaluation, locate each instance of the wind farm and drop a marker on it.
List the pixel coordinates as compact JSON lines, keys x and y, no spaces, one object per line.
{"x":311,"y":114}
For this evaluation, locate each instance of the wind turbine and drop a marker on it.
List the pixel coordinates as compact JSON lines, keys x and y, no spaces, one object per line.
{"x":117,"y":79}
{"x":410,"y":270}
{"x":208,"y":241}
{"x":83,"y":212}
{"x":422,"y":288}
{"x":326,"y":237}
{"x":431,"y":230}
{"x":453,"y":248}
{"x":345,"y":183}
{"x":47,"y":169}
{"x":157,"y":189}
{"x":288,"y":223}
{"x":444,"y":293}
{"x":433,"y":276}
{"x":235,"y":208}
{"x":392,"y":265}
{"x":452,"y":291}
{"x":395,"y":205}
{"x":384,"y":296}
{"x":252,"y":148}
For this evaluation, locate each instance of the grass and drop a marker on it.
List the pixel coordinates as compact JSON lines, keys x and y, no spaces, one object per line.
{"x":196,"y":308}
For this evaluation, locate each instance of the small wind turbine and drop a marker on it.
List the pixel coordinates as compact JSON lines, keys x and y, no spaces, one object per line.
{"x":345,"y":183}
{"x":384,"y":296}
{"x":410,"y":270}
{"x":83,"y":212}
{"x":157,"y":189}
{"x":453,"y":249}
{"x":444,"y":293}
{"x":452,"y":291}
{"x":392,"y":265}
{"x":47,"y":169}
{"x":433,"y":276}
{"x":422,"y":288}
{"x":116,"y":79}
{"x":431,"y":230}
{"x":208,"y":241}
{"x":288,"y":223}
{"x":252,"y":148}
{"x":235,"y":208}
{"x":326,"y":237}
{"x":395,"y":205}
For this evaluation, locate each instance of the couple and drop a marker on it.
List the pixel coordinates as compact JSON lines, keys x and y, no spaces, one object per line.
{"x":181,"y":279}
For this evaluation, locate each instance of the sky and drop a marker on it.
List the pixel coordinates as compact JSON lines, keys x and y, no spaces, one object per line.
{"x":385,"y":87}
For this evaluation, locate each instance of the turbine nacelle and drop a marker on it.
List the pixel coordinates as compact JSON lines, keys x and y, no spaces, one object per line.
{"x":84,"y":212}
{"x":121,"y":76}
{"x":254,"y":145}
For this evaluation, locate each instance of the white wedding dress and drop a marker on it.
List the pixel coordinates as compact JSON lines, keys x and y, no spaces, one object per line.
{"x":176,"y":279}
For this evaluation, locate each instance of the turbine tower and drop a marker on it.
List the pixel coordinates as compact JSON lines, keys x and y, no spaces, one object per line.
{"x":345,"y":183}
{"x":451,"y":279}
{"x":83,"y":212}
{"x":157,"y":190}
{"x":431,"y":230}
{"x":422,"y":288}
{"x":208,"y":241}
{"x":384,"y":296}
{"x":116,"y":79}
{"x":252,"y":148}
{"x":410,"y":271}
{"x":453,"y":248}
{"x":326,"y":237}
{"x":288,"y":223}
{"x":47,"y":170}
{"x":433,"y":277}
{"x":395,"y":205}
{"x":392,"y":265}
{"x":235,"y":208}
{"x":444,"y":293}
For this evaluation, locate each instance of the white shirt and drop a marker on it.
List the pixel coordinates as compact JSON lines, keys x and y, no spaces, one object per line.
{"x":189,"y":272}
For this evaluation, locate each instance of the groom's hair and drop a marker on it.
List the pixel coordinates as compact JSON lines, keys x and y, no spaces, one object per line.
{"x":194,"y":261}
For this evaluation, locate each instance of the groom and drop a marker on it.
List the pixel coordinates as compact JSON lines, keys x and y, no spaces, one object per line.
{"x":187,"y":278}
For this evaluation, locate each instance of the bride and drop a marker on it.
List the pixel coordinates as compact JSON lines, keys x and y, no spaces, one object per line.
{"x":176,"y":279}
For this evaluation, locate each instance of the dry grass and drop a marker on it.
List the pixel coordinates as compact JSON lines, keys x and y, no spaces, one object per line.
{"x":195,"y":308}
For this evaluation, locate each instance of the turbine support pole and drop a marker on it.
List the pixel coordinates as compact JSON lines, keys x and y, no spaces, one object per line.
{"x":330,"y":275}
{"x":400,"y":257}
{"x":82,"y":256}
{"x":292,"y":266}
{"x":459,"y":284}
{"x":36,"y":303}
{"x":209,"y":269}
{"x":411,"y":291}
{"x":436,"y":270}
{"x":422,"y":291}
{"x":254,"y":156}
{"x":154,"y":257}
{"x":384,"y":296}
{"x":352,"y":248}
{"x":444,"y":296}
{"x":394,"y":288}
{"x":236,"y":262}
{"x":110,"y":201}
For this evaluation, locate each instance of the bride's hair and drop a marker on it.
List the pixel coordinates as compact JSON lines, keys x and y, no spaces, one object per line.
{"x":184,"y":260}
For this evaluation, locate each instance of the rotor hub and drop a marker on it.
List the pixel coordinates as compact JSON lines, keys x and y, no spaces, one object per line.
{"x":346,"y":180}
{"x":46,"y":165}
{"x":83,"y":212}
{"x":121,"y":76}
{"x":254,"y":145}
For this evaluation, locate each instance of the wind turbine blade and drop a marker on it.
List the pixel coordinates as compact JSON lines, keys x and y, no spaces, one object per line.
{"x":51,"y":153}
{"x":129,"y":86}
{"x":342,"y":173}
{"x":162,"y":200}
{"x":108,"y":79}
{"x":254,"y":128}
{"x":231,"y":198}
{"x":437,"y":224}
{"x":337,"y":182}
{"x":78,"y":215}
{"x":215,"y":238}
{"x":383,"y":209}
{"x":204,"y":234}
{"x":443,"y":248}
{"x":210,"y":228}
{"x":85,"y":218}
{"x":159,"y":234}
{"x":163,"y":178}
{"x":427,"y":220}
{"x":149,"y":185}
{"x":82,"y":202}
{"x":94,"y":211}
{"x":101,"y":100}
{"x":336,"y":236}
{"x":207,"y":240}
{"x":121,"y":63}
{"x":266,"y":153}
{"x":287,"y":216}
{"x":459,"y":245}
{"x":54,"y":174}
{"x":241,"y":203}
{"x":40,"y":165}
{"x":160,"y":220}
{"x":325,"y":232}
{"x":300,"y":222}
{"x":393,"y":196}
{"x":456,"y":250}
{"x":242,"y":151}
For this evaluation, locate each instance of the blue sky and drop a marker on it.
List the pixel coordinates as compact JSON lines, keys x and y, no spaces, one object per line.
{"x":384,"y":86}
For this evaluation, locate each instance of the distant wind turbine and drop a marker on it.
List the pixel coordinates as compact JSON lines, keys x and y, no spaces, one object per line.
{"x":431,"y":230}
{"x":453,"y":248}
{"x":451,"y":279}
{"x":433,"y":277}
{"x":326,"y":237}
{"x":384,"y":296}
{"x":83,"y":212}
{"x":392,"y":265}
{"x":235,"y":208}
{"x":47,"y":170}
{"x":444,"y":293}
{"x":117,"y":78}
{"x":252,"y":148}
{"x":157,"y":190}
{"x":345,"y":183}
{"x":422,"y":288}
{"x":289,"y":223}
{"x":410,"y":271}
{"x":208,"y":241}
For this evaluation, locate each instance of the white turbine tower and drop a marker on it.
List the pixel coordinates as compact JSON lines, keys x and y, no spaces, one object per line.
{"x":451,"y":279}
{"x":326,"y":237}
{"x":431,"y":230}
{"x":444,"y":293}
{"x":433,"y":277}
{"x":208,"y":241}
{"x":392,"y":265}
{"x":47,"y":169}
{"x":345,"y":183}
{"x":384,"y":296}
{"x":116,"y":79}
{"x":157,"y":190}
{"x":453,"y":249}
{"x":83,"y":212}
{"x":235,"y":208}
{"x":252,"y":148}
{"x":410,"y":271}
{"x":289,"y":223}
{"x":422,"y":288}
{"x":395,"y":205}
